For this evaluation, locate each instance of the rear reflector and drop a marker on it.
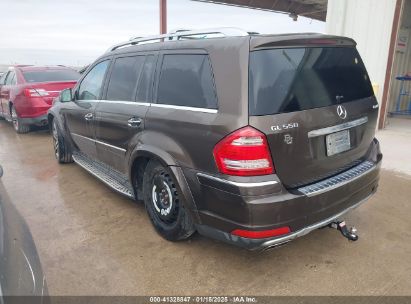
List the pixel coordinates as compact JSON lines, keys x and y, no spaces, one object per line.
{"x":262,"y":234}
{"x":244,"y":152}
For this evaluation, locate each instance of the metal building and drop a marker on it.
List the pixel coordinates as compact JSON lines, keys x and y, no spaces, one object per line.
{"x":382,"y":30}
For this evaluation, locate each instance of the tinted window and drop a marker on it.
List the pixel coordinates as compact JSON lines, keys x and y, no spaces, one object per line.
{"x":90,"y":87}
{"x":13,"y":80}
{"x":51,"y":75}
{"x":288,"y":80}
{"x":3,"y":78}
{"x":10,"y":78}
{"x":145,"y":82}
{"x":124,"y":77}
{"x":186,"y":80}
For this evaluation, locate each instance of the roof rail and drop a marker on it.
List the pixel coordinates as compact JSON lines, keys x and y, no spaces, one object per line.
{"x":177,"y":35}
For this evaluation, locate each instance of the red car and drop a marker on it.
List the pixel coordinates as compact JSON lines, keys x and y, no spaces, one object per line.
{"x":27,"y":92}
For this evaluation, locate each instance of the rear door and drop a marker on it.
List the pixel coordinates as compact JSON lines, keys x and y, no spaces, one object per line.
{"x":120,"y":115}
{"x":79,"y":114}
{"x":5,"y":93}
{"x":316,"y":106}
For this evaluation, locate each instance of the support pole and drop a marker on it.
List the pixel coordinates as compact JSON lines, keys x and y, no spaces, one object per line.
{"x":163,"y":16}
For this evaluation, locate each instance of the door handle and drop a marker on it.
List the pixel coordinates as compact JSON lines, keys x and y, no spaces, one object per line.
{"x":134,"y":122}
{"x":88,"y":116}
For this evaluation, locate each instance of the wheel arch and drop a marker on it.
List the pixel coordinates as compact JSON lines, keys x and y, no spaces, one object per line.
{"x":138,"y":162}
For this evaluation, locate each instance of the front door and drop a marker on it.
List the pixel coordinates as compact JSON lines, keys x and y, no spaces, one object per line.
{"x":80,"y":114}
{"x":120,"y":115}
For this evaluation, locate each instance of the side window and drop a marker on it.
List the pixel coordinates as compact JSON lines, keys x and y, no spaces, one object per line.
{"x":10,"y":77}
{"x":146,"y":78}
{"x":186,"y":80}
{"x":91,"y":85}
{"x":124,"y":77}
{"x":13,"y":80}
{"x":3,"y":78}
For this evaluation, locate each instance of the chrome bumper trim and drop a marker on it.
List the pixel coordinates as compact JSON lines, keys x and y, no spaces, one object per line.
{"x":339,"y":179}
{"x":308,"y":229}
{"x":238,"y":184}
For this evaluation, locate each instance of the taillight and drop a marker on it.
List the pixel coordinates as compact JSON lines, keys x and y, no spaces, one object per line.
{"x":35,"y":92}
{"x":262,"y":234}
{"x":244,"y":152}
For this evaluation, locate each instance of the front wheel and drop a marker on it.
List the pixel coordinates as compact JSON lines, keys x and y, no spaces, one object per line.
{"x":164,"y":204}
{"x":61,"y":150}
{"x":18,"y":126}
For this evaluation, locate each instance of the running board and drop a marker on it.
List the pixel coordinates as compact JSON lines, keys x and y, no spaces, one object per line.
{"x":117,"y":181}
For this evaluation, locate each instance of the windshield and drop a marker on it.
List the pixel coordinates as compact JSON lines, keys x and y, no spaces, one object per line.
{"x":51,"y":75}
{"x":295,"y":79}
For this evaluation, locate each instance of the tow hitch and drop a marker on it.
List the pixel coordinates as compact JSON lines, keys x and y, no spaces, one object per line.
{"x":350,"y":234}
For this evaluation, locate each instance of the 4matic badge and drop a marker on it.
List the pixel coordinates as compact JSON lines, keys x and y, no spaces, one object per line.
{"x":288,"y":139}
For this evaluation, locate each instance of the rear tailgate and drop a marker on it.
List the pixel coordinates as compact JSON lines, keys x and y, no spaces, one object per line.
{"x":316,"y":106}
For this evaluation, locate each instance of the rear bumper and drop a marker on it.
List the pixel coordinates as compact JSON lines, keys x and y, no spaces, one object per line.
{"x":263,"y":244}
{"x":38,"y":121}
{"x":226,"y":205}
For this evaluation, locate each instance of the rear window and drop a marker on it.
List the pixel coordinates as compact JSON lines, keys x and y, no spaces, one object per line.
{"x":289,"y":80}
{"x":187,"y":80}
{"x":123,"y":80}
{"x":51,"y":75}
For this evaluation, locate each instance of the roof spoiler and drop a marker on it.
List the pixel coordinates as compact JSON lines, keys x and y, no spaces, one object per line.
{"x":298,"y":40}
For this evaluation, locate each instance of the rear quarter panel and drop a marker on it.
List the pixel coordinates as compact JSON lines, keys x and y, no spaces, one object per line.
{"x":188,"y":137}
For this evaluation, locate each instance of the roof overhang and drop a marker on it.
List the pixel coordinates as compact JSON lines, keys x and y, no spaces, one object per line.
{"x":315,"y":9}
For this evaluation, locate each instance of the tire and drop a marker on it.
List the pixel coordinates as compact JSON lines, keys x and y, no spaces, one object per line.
{"x":164,"y":204}
{"x":18,"y":125}
{"x":61,"y":150}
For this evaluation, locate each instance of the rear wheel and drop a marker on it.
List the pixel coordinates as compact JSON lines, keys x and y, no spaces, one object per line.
{"x":18,"y":126}
{"x":164,"y":204}
{"x":61,"y":150}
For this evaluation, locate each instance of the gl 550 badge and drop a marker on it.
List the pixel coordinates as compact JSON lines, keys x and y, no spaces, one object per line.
{"x":284,"y":127}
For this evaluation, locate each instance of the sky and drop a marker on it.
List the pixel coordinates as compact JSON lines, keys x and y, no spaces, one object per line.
{"x":75,"y":32}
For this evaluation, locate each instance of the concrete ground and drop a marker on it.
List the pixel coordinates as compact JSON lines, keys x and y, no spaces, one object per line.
{"x":93,"y":241}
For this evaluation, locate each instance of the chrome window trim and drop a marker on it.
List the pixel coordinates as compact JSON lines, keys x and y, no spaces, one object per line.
{"x":238,"y":184}
{"x":166,"y":106}
{"x":341,"y":127}
{"x":157,"y":105}
{"x":126,"y":102}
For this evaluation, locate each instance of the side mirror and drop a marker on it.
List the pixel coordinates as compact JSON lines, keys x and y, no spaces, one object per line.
{"x":66,"y":95}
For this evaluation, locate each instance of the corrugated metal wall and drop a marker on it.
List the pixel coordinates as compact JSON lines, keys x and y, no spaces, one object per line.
{"x":402,"y":64}
{"x":369,"y":22}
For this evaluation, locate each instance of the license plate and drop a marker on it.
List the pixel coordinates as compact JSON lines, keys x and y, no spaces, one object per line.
{"x":338,"y":142}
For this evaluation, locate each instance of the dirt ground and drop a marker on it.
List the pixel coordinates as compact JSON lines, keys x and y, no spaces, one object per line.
{"x":93,"y":241}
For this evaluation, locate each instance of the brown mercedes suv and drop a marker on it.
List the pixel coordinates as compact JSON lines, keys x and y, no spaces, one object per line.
{"x":250,"y":139}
